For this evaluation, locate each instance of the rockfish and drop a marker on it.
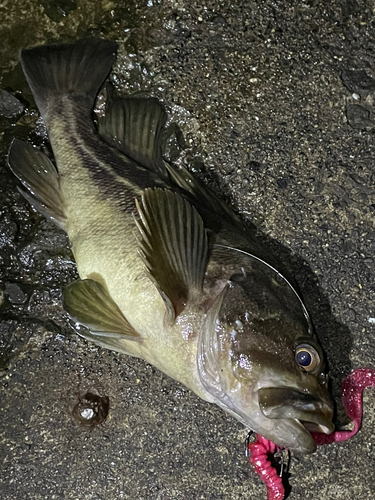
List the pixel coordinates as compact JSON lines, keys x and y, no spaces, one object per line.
{"x":168,"y":272}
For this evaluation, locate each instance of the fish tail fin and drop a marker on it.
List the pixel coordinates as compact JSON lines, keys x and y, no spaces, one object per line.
{"x":78,"y":69}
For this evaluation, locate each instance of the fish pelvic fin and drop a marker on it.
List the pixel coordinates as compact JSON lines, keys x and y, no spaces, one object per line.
{"x":90,"y":304}
{"x":135,"y":125}
{"x":173,"y":246}
{"x":40,"y":179}
{"x":79,"y":68}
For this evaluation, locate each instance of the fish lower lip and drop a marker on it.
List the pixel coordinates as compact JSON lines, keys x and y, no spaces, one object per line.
{"x":308,"y":410}
{"x":312,"y":427}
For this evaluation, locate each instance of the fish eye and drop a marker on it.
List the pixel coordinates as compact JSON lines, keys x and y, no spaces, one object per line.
{"x":307,"y":357}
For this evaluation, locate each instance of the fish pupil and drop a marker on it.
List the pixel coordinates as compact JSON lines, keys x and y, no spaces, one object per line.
{"x":303,"y":358}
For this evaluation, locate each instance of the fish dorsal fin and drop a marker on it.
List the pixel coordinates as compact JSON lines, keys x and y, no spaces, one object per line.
{"x":40,"y":178}
{"x":174,"y":246}
{"x":90,"y":304}
{"x":134,"y":126}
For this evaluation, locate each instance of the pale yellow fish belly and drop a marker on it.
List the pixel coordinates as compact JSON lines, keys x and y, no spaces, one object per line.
{"x":104,"y":244}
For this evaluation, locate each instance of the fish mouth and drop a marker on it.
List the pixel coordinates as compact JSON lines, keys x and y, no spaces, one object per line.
{"x":304,"y":412}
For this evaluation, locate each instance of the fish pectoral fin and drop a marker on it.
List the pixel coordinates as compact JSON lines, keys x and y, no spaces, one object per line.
{"x":173,"y":245}
{"x":40,"y":179}
{"x":91,"y":305}
{"x":134,"y":126}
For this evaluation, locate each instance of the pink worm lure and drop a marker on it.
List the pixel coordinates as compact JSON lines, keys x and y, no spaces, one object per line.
{"x":351,"y":393}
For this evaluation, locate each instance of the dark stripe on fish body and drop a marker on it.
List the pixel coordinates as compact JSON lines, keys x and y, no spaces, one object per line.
{"x":121,"y":180}
{"x":117,"y":177}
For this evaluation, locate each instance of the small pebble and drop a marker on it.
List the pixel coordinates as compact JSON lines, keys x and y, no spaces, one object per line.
{"x":10,"y":106}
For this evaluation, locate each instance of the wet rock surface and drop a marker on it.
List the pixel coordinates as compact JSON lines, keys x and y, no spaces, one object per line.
{"x":274,"y":104}
{"x":10,"y":106}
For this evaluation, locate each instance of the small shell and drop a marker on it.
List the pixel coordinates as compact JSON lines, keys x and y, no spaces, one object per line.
{"x":91,"y":409}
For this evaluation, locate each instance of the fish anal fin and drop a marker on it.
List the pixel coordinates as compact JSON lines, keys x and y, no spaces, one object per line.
{"x":90,"y":304}
{"x":134,"y":126}
{"x":173,"y":245}
{"x":40,"y":179}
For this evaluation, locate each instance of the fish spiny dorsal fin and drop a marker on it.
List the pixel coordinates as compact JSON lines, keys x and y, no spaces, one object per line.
{"x":79,"y":69}
{"x":134,"y":126}
{"x":90,"y":304}
{"x":173,"y":245}
{"x":40,"y":178}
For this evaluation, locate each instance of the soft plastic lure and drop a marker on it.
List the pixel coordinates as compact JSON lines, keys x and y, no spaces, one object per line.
{"x":259,"y":451}
{"x":351,"y":393}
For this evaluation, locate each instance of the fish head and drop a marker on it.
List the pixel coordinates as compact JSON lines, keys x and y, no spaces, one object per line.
{"x":258,"y":357}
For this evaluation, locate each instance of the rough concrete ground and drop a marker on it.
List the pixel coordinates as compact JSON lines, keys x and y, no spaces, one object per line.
{"x":275,"y":101}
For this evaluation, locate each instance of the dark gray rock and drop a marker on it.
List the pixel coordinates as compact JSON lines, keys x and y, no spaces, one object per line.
{"x":10,"y":106}
{"x":358,"y":81}
{"x":57,"y":10}
{"x":359,"y":116}
{"x":14,"y":293}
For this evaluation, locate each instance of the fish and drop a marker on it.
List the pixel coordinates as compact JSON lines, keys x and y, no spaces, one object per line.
{"x":168,"y":272}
